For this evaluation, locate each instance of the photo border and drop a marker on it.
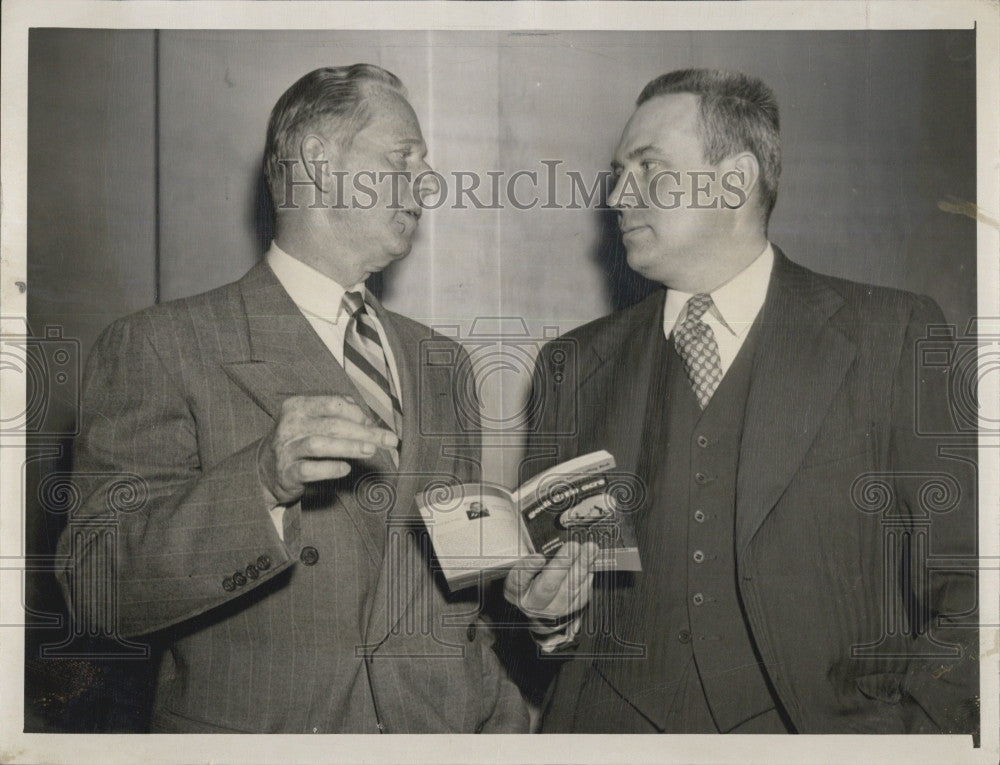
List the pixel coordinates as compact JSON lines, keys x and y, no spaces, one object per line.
{"x":20,"y":15}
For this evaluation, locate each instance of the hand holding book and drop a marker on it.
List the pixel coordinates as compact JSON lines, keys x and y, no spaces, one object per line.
{"x":548,"y":590}
{"x":480,"y":531}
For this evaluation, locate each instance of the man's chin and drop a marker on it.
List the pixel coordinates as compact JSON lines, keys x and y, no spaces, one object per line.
{"x":649,"y":266}
{"x":401,"y":252}
{"x":398,"y":252}
{"x":639,"y":261}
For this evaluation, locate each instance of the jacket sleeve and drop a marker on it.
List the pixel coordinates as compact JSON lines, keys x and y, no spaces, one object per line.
{"x":157,"y":536}
{"x":936,"y":486}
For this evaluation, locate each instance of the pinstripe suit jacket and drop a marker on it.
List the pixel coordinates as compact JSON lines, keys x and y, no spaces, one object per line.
{"x":343,"y":625}
{"x":855,"y":529}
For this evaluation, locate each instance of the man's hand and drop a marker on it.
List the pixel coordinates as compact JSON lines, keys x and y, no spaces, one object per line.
{"x":312,"y":439}
{"x":553,"y":590}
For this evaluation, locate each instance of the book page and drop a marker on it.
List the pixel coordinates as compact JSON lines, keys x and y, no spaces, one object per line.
{"x":474,"y":528}
{"x":575,"y":500}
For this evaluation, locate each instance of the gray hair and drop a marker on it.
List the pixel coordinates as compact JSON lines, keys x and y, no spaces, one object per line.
{"x":738,"y":112}
{"x":328,"y":100}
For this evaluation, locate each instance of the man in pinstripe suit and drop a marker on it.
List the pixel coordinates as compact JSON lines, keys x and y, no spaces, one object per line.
{"x":808,"y":521}
{"x":278,"y":427}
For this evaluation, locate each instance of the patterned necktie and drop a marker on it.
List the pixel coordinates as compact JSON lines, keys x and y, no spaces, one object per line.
{"x":365,"y":364}
{"x":696,"y":345}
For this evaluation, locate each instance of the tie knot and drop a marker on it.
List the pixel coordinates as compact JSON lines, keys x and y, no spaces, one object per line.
{"x":697,"y":306}
{"x":354,"y":303}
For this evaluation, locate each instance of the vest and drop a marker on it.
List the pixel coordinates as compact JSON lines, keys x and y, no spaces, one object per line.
{"x":699,"y":671}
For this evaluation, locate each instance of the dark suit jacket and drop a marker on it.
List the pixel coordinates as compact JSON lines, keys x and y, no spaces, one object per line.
{"x":851,"y":529}
{"x":334,"y":629}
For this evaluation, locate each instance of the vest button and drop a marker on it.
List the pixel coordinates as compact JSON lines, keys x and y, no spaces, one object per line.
{"x":698,"y":599}
{"x":470,"y":632}
{"x":700,"y":478}
{"x":699,"y":516}
{"x":702,"y":441}
{"x":684,"y":636}
{"x":698,"y":556}
{"x":309,"y":556}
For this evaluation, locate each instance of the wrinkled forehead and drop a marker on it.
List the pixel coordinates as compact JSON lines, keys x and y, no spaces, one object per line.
{"x":666,"y":121}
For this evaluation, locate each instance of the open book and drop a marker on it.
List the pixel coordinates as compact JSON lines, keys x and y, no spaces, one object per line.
{"x":483,"y":529}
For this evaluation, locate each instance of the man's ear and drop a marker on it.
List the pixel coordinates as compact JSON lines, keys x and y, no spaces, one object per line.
{"x":314,"y":152}
{"x":739,"y":179}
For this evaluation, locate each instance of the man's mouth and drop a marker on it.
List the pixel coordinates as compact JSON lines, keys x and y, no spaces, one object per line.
{"x":406,"y":218}
{"x":628,"y":228}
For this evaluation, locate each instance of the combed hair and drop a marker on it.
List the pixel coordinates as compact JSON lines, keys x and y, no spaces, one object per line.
{"x":330,"y":99}
{"x":738,"y":112}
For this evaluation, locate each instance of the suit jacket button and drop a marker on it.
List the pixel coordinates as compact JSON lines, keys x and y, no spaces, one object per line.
{"x":698,"y":599}
{"x":309,"y":555}
{"x":263,"y":563}
{"x":470,"y":632}
{"x":252,"y":572}
{"x":684,"y":636}
{"x":238,"y":579}
{"x":228,"y":584}
{"x":702,"y":441}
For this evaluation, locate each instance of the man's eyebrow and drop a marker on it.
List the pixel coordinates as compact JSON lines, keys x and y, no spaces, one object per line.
{"x":413,"y":143}
{"x":637,"y":152}
{"x":646,"y":149}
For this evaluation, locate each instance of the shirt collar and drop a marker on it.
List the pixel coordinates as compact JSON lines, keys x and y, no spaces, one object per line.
{"x":314,"y":293}
{"x":735,"y":304}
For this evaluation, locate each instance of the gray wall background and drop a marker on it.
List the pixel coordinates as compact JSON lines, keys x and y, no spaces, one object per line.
{"x":144,"y":178}
{"x":145,"y":150}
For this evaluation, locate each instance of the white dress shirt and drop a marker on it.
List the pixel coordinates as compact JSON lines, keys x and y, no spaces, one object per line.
{"x":321,"y":301}
{"x":735,"y":306}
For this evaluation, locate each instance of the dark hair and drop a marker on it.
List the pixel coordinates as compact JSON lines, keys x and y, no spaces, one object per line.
{"x":738,"y":112}
{"x":328,"y":99}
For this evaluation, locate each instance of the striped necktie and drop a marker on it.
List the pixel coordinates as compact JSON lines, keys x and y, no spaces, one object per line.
{"x":695,"y":342}
{"x":366,"y":365}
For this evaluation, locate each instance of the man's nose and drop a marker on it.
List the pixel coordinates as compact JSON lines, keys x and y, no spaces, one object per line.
{"x":617,"y":198}
{"x":425,"y":181}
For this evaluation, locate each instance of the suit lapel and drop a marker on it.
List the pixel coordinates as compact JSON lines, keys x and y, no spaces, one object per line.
{"x":799,"y":365}
{"x":638,"y":391}
{"x":620,"y":368}
{"x":287,"y":358}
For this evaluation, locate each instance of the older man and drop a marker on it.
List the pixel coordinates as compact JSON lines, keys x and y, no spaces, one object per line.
{"x":273,"y":428}
{"x":808,"y":558}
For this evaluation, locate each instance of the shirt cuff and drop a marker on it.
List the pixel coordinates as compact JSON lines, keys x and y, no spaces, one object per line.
{"x":550,"y":642}
{"x":277,"y":514}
